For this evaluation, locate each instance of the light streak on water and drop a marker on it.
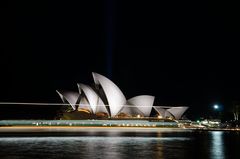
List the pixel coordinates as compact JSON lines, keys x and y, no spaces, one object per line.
{"x":217,"y":150}
{"x":92,"y":138}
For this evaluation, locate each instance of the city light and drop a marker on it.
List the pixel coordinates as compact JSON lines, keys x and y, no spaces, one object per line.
{"x":215,"y":106}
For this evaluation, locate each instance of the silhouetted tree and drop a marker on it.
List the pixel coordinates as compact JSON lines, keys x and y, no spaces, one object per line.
{"x":236,"y":110}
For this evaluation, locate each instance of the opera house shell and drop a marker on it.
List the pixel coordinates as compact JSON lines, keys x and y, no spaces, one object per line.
{"x":105,"y":100}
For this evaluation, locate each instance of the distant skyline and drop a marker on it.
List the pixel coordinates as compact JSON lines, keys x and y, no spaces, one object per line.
{"x":183,"y":53}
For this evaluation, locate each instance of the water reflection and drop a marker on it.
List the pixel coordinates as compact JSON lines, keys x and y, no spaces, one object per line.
{"x":124,"y":145}
{"x":110,"y":146}
{"x":217,"y":145}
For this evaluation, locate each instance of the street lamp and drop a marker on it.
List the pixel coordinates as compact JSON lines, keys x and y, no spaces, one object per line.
{"x":215,"y":106}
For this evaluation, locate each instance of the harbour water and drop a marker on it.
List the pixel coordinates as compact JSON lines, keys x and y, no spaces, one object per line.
{"x":118,"y":145}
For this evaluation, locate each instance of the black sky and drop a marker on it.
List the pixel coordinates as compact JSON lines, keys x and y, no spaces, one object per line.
{"x":183,"y":52}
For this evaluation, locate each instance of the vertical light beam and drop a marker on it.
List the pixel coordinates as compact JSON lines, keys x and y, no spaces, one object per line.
{"x":110,"y":6}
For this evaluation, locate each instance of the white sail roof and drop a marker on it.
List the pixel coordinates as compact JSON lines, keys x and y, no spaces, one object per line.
{"x":84,"y":104}
{"x":114,"y":95}
{"x":161,"y":111}
{"x":177,"y":112}
{"x":109,"y":99}
{"x":93,"y":99}
{"x":69,"y":97}
{"x":144,"y":103}
{"x":131,"y":110}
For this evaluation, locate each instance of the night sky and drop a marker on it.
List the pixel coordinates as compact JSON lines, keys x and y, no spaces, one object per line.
{"x":182,"y":52}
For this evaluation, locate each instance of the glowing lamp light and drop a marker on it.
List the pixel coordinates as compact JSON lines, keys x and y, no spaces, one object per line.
{"x":215,"y":106}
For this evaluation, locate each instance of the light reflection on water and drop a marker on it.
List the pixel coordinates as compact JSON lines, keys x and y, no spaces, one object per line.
{"x":217,"y":150}
{"x":116,"y":146}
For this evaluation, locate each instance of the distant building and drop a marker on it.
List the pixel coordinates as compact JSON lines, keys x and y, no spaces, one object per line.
{"x":105,"y":100}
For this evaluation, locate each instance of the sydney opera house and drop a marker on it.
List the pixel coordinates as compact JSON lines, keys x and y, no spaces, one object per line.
{"x":104,"y":100}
